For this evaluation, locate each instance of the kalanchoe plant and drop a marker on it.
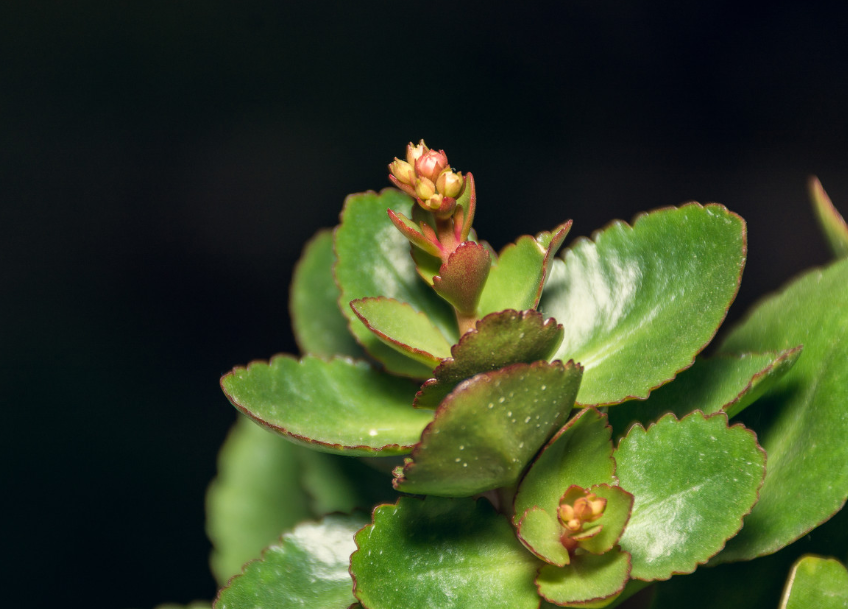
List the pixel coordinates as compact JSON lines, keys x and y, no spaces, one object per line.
{"x":528,"y":429}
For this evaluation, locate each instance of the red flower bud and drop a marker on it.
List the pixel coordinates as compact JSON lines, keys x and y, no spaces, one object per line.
{"x":431,"y":164}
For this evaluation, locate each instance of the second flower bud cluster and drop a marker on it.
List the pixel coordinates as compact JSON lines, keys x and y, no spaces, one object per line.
{"x":426,"y":175}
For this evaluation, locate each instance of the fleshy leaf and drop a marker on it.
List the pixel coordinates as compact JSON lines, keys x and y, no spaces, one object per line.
{"x":520,"y":272}
{"x":413,"y":233}
{"x":499,"y":339}
{"x":729,"y":383}
{"x":638,"y":303}
{"x":539,"y":531}
{"x":255,"y":496}
{"x":486,"y":431}
{"x":616,"y":514}
{"x":338,"y":406}
{"x":445,"y":553}
{"x":468,"y":201}
{"x":816,"y":582}
{"x":373,"y":260}
{"x":403,"y":328}
{"x":462,"y":277}
{"x":831,"y":221}
{"x":589,"y":581}
{"x":801,"y":422}
{"x":319,"y":327}
{"x":693,"y":479}
{"x":306,"y":568}
{"x":580,"y":453}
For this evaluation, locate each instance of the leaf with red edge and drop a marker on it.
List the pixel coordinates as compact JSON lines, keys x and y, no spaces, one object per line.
{"x":403,"y":328}
{"x":462,"y":277}
{"x":831,"y":221}
{"x":519,"y":275}
{"x":694,"y":479}
{"x":589,"y":581}
{"x":442,"y":553}
{"x":413,"y":233}
{"x":486,"y":431}
{"x":337,"y":406}
{"x":639,"y":303}
{"x":499,"y":339}
{"x":468,"y":202}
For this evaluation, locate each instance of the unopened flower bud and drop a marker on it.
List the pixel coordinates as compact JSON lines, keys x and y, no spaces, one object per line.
{"x":431,"y":164}
{"x":413,"y":153}
{"x":403,"y":171}
{"x":442,"y":206}
{"x":449,"y":183}
{"x":424,"y":189}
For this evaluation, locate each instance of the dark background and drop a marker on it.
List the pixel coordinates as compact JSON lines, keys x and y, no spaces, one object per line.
{"x":161,"y":165}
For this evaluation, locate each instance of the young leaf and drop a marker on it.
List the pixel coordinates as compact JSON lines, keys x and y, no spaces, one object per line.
{"x":462,"y":277}
{"x":832,"y":223}
{"x":319,"y":327}
{"x":520,"y":272}
{"x":338,"y":406}
{"x":580,"y":453}
{"x":403,"y":328}
{"x":445,"y":553}
{"x":373,"y":260}
{"x":638,"y":303}
{"x":801,"y":422}
{"x":499,"y":339}
{"x":306,"y":568}
{"x":589,"y":581}
{"x":255,"y":496}
{"x":816,"y":582}
{"x":693,"y":479}
{"x":486,"y":431}
{"x":729,"y":383}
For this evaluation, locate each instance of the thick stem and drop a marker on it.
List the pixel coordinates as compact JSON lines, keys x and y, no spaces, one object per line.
{"x":465,"y":323}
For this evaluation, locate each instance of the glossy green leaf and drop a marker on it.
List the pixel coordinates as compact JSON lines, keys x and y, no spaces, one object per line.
{"x":319,"y":327}
{"x":729,"y":383}
{"x":520,"y":272}
{"x":403,"y":328}
{"x":580,"y":453}
{"x":373,"y":259}
{"x":306,"y":568}
{"x":445,"y":553}
{"x":255,"y":497}
{"x":801,"y":422}
{"x":589,"y":581}
{"x":486,"y":431}
{"x":816,"y":582}
{"x":499,"y":339}
{"x":831,"y":221}
{"x":616,"y":514}
{"x":539,"y":531}
{"x":338,"y":406}
{"x":638,"y":303}
{"x":694,"y":479}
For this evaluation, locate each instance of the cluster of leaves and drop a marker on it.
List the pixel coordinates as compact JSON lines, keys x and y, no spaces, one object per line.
{"x":546,"y":458}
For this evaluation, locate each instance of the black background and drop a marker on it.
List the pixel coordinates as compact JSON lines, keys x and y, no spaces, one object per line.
{"x":162,"y":163}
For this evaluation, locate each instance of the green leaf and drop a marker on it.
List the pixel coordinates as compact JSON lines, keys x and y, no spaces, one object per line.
{"x":255,"y":496}
{"x":499,"y":339}
{"x":403,"y":328}
{"x":580,"y":453}
{"x":693,"y":479}
{"x":319,"y":327}
{"x":307,"y":568}
{"x":589,"y":581}
{"x":831,"y":222}
{"x":729,"y":383}
{"x":639,"y":303}
{"x":445,"y":553}
{"x":338,"y":406}
{"x":616,"y":514}
{"x":461,"y":279}
{"x":373,"y":259}
{"x":816,"y":582}
{"x":486,"y":431}
{"x":801,"y":423}
{"x":519,"y":273}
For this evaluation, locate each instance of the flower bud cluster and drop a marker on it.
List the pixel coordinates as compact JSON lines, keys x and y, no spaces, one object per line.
{"x":578,"y":509}
{"x":426,"y":175}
